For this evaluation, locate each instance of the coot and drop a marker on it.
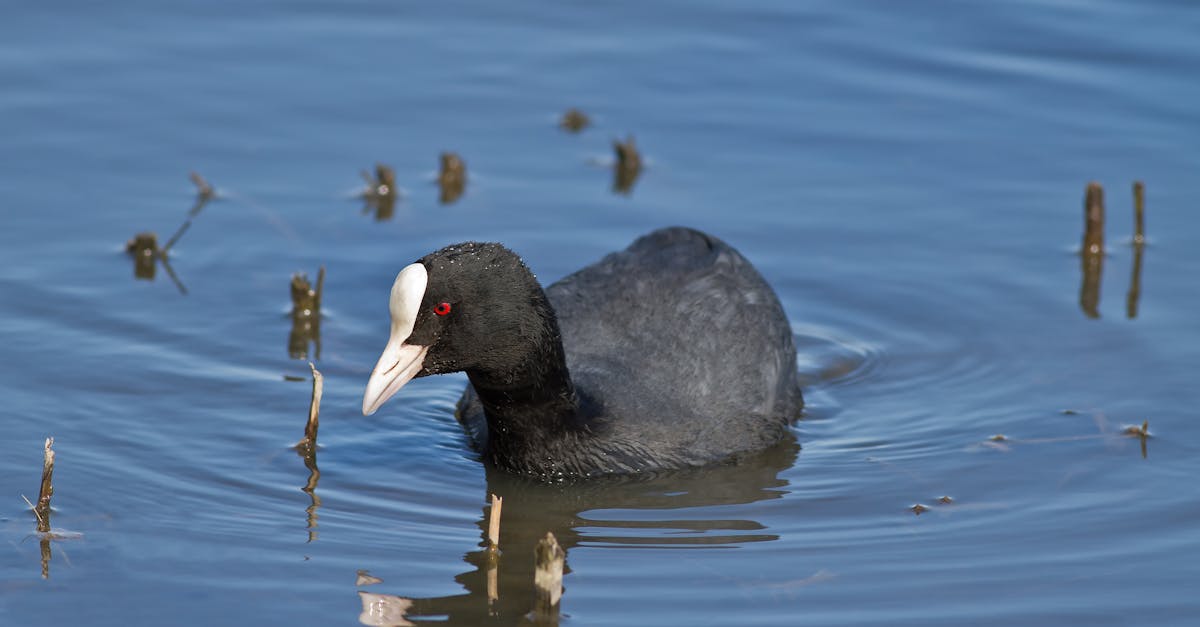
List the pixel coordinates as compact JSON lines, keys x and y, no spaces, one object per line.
{"x":671,"y":353}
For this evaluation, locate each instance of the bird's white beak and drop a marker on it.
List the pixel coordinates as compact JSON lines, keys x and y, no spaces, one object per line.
{"x":400,"y":362}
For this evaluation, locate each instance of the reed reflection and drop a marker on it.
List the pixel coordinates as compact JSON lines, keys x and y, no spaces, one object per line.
{"x":310,"y":488}
{"x":1135,"y":283}
{"x":500,"y":589}
{"x":144,"y":249}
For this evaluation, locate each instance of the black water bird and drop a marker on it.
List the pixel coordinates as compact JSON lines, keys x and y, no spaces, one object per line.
{"x":671,"y":353}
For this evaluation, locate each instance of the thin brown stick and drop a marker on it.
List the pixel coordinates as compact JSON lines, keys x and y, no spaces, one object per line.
{"x":203,"y":189}
{"x":1093,"y":213}
{"x":42,"y":510}
{"x":175,"y":237}
{"x":1091,"y":255}
{"x":1139,"y":213}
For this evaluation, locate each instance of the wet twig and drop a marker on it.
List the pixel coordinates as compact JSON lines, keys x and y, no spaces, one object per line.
{"x":309,"y":441}
{"x":1139,"y":213}
{"x":1139,"y":249}
{"x":1093,"y":219}
{"x":1092,"y":252}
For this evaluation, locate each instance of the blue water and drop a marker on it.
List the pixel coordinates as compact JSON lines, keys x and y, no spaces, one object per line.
{"x":909,"y":176}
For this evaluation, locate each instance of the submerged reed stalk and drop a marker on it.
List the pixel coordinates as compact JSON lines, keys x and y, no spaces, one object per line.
{"x":42,"y":509}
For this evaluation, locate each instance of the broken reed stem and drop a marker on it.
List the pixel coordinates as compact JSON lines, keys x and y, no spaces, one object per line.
{"x":162,"y":252}
{"x":1091,"y":255}
{"x":1139,"y":213}
{"x":628,"y":157}
{"x":203,"y":188}
{"x":494,"y":523}
{"x":548,"y":572}
{"x":385,"y":179}
{"x":306,"y":300}
{"x":314,"y":410}
{"x":1093,"y":214}
{"x":42,"y":509}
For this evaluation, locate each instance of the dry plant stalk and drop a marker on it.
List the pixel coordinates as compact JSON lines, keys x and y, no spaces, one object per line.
{"x":494,"y":523}
{"x":42,"y":509}
{"x":1093,"y":214}
{"x":1091,"y":254}
{"x":314,"y":410}
{"x":306,"y":301}
{"x":1139,"y":213}
{"x":203,"y":188}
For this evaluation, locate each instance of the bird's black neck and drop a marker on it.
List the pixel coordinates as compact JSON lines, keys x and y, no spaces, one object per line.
{"x":529,"y":401}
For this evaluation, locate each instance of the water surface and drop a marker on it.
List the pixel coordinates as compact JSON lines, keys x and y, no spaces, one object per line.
{"x":909,"y":178}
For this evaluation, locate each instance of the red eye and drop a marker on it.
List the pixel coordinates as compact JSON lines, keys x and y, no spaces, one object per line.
{"x":442,"y":309}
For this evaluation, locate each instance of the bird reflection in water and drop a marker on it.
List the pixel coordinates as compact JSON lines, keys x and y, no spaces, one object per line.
{"x":500,"y":590}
